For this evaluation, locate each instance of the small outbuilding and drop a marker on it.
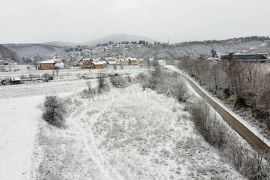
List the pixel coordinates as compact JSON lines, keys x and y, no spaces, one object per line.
{"x":132,"y":61}
{"x":99,"y":65}
{"x":46,"y":65}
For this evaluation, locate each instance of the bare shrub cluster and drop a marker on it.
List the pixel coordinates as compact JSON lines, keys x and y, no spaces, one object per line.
{"x":247,"y":161}
{"x":165,"y":82}
{"x":89,"y":92}
{"x":54,"y":111}
{"x":102,"y":86}
{"x":119,"y":81}
{"x":212,"y":130}
{"x":246,"y":83}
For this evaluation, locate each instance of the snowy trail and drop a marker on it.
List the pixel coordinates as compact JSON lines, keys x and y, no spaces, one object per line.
{"x":253,"y":138}
{"x":85,"y":126}
{"x":19,"y":119}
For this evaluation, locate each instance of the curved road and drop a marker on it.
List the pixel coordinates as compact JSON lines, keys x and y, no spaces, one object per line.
{"x":256,"y":142}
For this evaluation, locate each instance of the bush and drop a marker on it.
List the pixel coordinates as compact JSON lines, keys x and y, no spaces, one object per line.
{"x":247,"y":161}
{"x":118,"y":81}
{"x":210,"y":128}
{"x":54,"y":111}
{"x":47,"y":77}
{"x":165,"y":83}
{"x":89,"y":92}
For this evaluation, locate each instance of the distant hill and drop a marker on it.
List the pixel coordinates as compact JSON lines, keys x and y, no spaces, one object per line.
{"x":60,"y":43}
{"x":118,"y":38}
{"x":30,"y":50}
{"x":228,"y":41}
{"x":168,"y":51}
{"x":195,"y":49}
{"x":7,"y":54}
{"x":249,"y":44}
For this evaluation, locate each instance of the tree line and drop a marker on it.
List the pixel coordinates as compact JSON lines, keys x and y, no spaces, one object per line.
{"x":248,"y":84}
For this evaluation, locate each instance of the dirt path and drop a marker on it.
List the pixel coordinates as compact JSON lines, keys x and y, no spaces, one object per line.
{"x":241,"y":129}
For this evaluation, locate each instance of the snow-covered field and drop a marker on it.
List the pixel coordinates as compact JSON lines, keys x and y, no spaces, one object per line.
{"x":122,"y":134}
{"x":49,"y":88}
{"x":19,"y":119}
{"x":126,"y":134}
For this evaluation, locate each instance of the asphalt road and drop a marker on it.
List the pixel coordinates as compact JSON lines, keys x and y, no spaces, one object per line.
{"x":235,"y":124}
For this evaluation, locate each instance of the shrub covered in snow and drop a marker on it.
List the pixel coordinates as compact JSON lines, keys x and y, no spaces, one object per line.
{"x":54,"y":111}
{"x":89,"y":92}
{"x":101,"y":87}
{"x":47,"y":77}
{"x":165,"y":83}
{"x":118,"y":81}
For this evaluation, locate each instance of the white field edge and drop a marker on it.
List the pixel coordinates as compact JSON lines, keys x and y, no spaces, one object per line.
{"x":239,"y":118}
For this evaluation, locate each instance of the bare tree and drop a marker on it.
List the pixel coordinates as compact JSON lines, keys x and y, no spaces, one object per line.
{"x":102,"y":83}
{"x":239,"y":75}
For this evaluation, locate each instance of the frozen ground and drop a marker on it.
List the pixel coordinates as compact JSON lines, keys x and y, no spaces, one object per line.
{"x":20,"y":116}
{"x":126,"y":134}
{"x":19,"y":119}
{"x":42,"y":88}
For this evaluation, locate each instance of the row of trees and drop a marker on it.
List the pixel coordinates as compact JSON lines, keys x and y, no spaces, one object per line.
{"x":246,"y":160}
{"x":248,"y":83}
{"x":231,"y":40}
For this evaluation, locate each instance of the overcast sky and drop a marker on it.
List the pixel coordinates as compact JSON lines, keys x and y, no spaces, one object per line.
{"x":178,"y":20}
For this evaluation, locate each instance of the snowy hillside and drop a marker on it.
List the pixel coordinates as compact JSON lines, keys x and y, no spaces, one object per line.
{"x":30,"y":50}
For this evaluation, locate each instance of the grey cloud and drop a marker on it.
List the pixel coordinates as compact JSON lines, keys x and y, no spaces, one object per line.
{"x":177,"y":20}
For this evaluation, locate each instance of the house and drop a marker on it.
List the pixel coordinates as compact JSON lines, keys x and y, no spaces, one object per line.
{"x":132,"y":61}
{"x":46,"y":65}
{"x":88,"y":63}
{"x":100,"y":65}
{"x":246,"y":57}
